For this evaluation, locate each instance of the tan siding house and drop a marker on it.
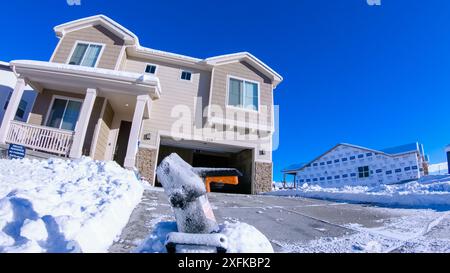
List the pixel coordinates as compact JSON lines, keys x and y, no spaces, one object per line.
{"x":104,"y":95}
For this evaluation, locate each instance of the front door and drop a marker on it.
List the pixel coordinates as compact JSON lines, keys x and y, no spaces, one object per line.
{"x":122,"y":142}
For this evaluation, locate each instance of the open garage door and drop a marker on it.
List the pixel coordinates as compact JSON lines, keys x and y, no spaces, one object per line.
{"x":202,"y":154}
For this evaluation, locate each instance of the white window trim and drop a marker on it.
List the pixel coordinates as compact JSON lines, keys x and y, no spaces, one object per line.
{"x":229,"y":77}
{"x":185,"y":70}
{"x":156,"y":68}
{"x":51,"y":106}
{"x":88,"y":43}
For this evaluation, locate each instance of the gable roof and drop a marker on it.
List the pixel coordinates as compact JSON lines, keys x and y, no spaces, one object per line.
{"x":248,"y":57}
{"x":132,"y":41}
{"x":394,"y":151}
{"x":129,"y":37}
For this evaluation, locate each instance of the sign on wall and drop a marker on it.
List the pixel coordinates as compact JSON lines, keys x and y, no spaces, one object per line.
{"x":16,"y":151}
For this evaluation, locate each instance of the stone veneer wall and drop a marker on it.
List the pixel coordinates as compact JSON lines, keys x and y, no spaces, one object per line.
{"x":263,"y":177}
{"x":145,"y":163}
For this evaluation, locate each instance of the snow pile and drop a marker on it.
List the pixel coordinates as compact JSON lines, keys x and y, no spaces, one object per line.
{"x":64,"y":206}
{"x":244,"y":238}
{"x":241,"y":238}
{"x":429,"y":192}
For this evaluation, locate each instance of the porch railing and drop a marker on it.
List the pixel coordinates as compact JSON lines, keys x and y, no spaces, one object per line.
{"x":40,"y":138}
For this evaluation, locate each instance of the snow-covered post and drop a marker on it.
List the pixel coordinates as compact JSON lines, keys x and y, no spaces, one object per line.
{"x":142,"y":102}
{"x":187,"y":195}
{"x":447,"y":150}
{"x":11,"y":110}
{"x":82,"y":123}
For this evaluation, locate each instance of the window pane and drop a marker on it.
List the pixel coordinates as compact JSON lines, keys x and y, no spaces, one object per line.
{"x":186,"y":75}
{"x":91,"y":55}
{"x":78,"y":54}
{"x":234,"y":97}
{"x":150,"y":69}
{"x":21,"y":110}
{"x":251,"y":96}
{"x":56,"y":113}
{"x":71,"y":115}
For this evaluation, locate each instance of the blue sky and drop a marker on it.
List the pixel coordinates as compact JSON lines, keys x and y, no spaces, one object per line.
{"x":375,"y":76}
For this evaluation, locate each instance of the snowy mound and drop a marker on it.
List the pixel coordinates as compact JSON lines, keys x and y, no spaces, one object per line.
{"x":241,"y":237}
{"x":244,"y":238}
{"x":428,"y":192}
{"x":64,"y":206}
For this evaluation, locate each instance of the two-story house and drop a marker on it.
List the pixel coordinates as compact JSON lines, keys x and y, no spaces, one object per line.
{"x":104,"y":95}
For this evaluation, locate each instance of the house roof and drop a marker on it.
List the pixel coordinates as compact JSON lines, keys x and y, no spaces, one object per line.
{"x":132,"y":41}
{"x":393,"y":151}
{"x":402,"y":148}
{"x":293,"y":167}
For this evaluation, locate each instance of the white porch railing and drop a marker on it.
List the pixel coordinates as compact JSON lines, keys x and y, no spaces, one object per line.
{"x":40,"y":138}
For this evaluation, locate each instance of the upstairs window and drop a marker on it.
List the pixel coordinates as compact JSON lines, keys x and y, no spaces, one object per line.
{"x":86,"y":54}
{"x":186,"y":75}
{"x":243,"y":94}
{"x":363,"y":172}
{"x":150,"y":69}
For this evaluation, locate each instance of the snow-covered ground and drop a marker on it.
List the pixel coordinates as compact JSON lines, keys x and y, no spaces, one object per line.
{"x":417,"y":231}
{"x":60,"y":205}
{"x":428,"y":192}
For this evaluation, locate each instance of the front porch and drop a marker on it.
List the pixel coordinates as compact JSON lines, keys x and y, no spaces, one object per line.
{"x":80,"y":111}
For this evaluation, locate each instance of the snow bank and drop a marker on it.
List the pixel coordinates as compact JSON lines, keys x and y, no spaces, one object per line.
{"x":64,"y":206}
{"x":429,"y":192}
{"x":241,"y":237}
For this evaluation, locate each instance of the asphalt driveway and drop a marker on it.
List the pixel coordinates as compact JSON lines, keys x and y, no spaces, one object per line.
{"x":306,"y":225}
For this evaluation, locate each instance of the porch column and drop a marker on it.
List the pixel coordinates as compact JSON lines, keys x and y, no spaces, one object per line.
{"x":142,"y":102}
{"x":11,"y":110}
{"x":82,"y":123}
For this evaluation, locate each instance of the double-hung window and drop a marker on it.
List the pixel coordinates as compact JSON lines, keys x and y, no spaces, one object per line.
{"x":64,"y":113}
{"x":86,"y":54}
{"x":243,"y":94}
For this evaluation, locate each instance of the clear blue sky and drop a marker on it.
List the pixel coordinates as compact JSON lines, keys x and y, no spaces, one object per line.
{"x":375,"y":76}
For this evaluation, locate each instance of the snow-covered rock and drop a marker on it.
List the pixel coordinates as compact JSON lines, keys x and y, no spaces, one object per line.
{"x":61,"y":205}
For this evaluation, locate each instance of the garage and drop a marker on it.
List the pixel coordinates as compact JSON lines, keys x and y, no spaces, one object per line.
{"x":212,"y":155}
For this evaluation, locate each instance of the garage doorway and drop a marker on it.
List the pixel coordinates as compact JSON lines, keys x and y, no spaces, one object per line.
{"x":214,"y":156}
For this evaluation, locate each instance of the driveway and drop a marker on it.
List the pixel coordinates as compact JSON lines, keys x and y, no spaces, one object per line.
{"x":307,"y":225}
